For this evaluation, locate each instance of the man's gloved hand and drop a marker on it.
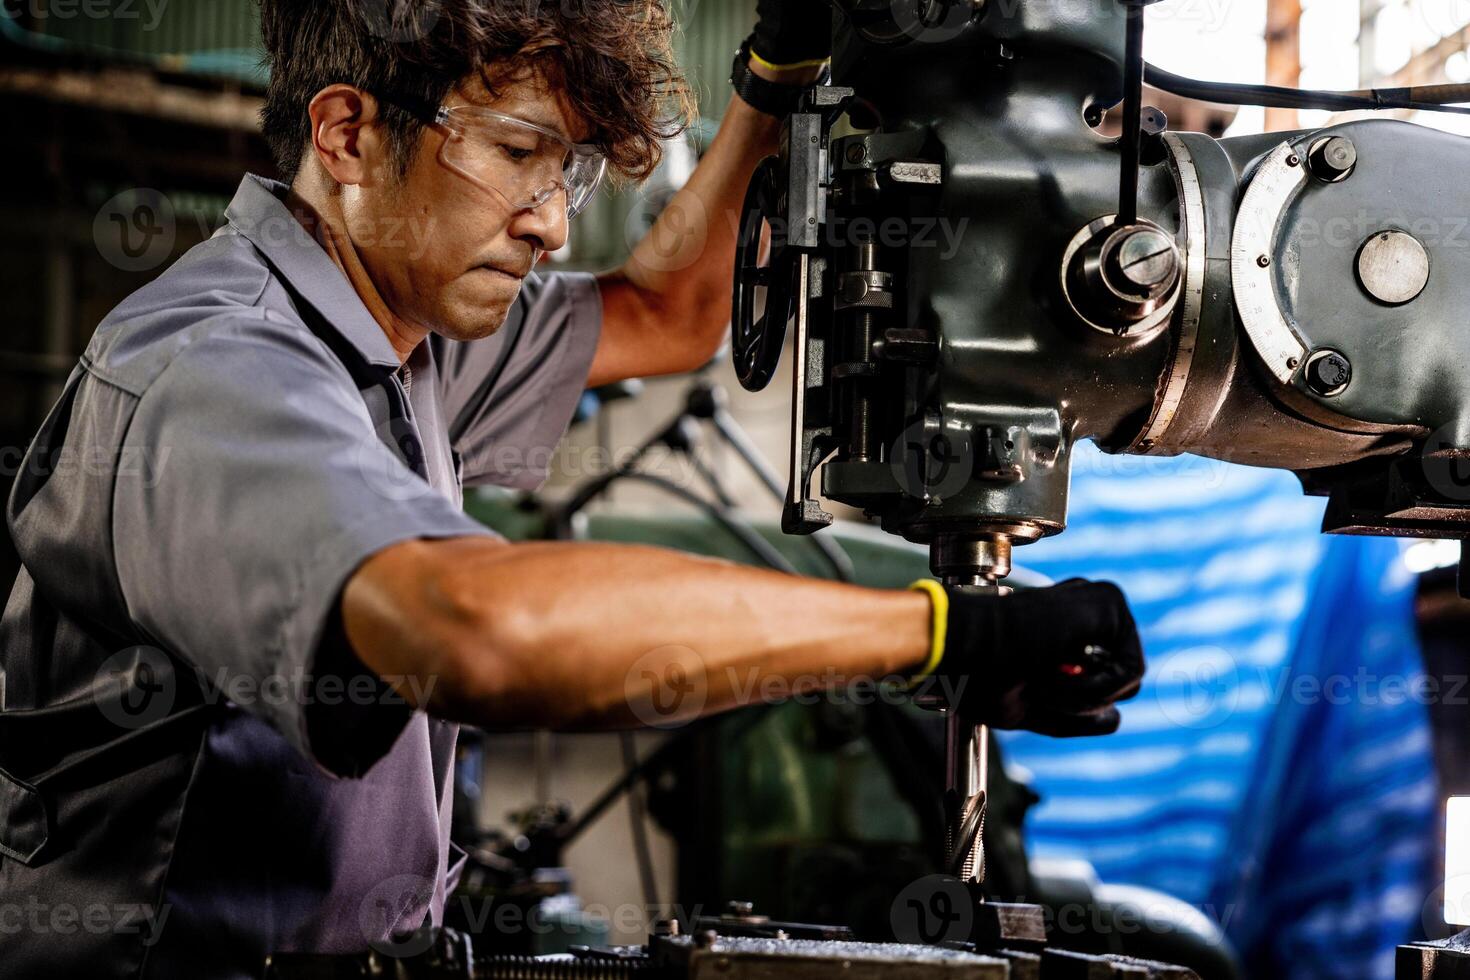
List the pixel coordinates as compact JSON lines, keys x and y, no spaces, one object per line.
{"x":792,"y":33}
{"x":1051,"y":660}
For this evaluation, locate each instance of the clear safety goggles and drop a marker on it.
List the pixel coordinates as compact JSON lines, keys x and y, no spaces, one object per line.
{"x":526,"y":164}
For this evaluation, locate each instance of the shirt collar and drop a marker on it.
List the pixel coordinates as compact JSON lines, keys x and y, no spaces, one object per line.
{"x":258,"y":213}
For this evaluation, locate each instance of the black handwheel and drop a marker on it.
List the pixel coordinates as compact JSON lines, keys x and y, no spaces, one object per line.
{"x":757,"y":338}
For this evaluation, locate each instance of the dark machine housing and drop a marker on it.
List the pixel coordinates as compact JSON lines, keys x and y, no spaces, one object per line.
{"x":971,"y":294}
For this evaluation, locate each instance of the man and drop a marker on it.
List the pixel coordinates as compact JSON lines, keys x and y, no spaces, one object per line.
{"x":250,"y":619}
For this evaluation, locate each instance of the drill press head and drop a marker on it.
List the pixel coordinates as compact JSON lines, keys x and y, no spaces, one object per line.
{"x":971,"y":293}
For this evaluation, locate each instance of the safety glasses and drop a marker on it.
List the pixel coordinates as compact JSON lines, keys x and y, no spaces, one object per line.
{"x":525,"y":164}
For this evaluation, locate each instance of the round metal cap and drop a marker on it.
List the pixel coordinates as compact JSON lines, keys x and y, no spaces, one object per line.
{"x":1147,"y":260}
{"x":1393,"y":267}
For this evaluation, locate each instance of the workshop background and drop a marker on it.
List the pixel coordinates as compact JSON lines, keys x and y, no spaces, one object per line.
{"x":129,"y":123}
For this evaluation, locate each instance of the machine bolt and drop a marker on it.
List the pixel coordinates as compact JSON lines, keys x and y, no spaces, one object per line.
{"x":1118,"y":278}
{"x":1333,"y":159}
{"x":1148,"y":260}
{"x":1154,"y":121}
{"x":1328,"y":373}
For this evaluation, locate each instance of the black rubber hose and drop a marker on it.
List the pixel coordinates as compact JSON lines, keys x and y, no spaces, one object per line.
{"x":1132,"y":116}
{"x":638,"y":819}
{"x":742,"y":532}
{"x":1277,"y":97}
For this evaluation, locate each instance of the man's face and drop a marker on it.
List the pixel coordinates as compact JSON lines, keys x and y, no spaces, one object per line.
{"x":446,"y":255}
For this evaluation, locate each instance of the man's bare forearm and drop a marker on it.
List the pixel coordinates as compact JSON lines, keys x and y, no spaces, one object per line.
{"x":579,"y":636}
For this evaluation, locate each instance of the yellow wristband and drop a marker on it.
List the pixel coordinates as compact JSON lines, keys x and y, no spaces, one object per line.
{"x":939,"y":604}
{"x":772,"y":66}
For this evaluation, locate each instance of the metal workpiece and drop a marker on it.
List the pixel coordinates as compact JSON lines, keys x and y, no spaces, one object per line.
{"x":746,"y":958}
{"x":984,"y":941}
{"x":973,"y":940}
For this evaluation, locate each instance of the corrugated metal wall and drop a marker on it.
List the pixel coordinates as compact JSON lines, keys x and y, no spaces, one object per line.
{"x":209,"y":37}
{"x":709,"y":33}
{"x":222,"y":38}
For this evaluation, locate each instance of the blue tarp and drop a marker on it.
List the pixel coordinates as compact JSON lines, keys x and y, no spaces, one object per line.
{"x":1275,"y":770}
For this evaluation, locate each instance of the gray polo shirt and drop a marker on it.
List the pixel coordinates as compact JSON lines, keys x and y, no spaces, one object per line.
{"x":194,"y":768}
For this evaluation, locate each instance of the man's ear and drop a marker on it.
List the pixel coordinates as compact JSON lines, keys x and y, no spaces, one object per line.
{"x":345,"y":135}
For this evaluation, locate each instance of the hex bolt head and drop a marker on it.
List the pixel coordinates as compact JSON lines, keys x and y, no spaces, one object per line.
{"x":1333,"y":159}
{"x":1328,"y":373}
{"x":1154,"y":121}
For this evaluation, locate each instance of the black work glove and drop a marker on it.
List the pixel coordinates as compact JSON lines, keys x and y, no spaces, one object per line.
{"x":789,"y":33}
{"x":1051,"y":660}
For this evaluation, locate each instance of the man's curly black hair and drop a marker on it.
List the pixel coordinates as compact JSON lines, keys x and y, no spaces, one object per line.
{"x":613,"y":59}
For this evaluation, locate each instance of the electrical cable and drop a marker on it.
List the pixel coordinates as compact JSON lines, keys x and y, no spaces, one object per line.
{"x":635,"y":770}
{"x":1133,"y":66}
{"x":751,"y":539}
{"x":1436,"y":98}
{"x":831,"y":552}
{"x":638,"y":818}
